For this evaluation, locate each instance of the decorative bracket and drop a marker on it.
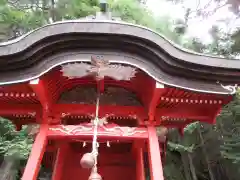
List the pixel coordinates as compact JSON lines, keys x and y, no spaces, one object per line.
{"x":99,"y":68}
{"x":231,"y":88}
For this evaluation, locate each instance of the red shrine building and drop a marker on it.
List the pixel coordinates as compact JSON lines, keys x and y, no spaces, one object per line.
{"x":98,"y":88}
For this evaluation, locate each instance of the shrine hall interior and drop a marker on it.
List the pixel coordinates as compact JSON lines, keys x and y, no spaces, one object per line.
{"x":138,"y":102}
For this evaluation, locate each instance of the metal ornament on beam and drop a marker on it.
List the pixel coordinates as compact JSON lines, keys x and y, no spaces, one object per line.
{"x":99,"y":67}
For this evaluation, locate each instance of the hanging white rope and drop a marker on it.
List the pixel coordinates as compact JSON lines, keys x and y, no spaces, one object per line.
{"x":89,"y":160}
{"x":95,"y":123}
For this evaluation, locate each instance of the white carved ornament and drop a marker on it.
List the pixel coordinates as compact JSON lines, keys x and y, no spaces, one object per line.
{"x":105,"y":130}
{"x":231,"y":88}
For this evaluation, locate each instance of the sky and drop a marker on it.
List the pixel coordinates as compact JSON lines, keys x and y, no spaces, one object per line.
{"x":197,"y":27}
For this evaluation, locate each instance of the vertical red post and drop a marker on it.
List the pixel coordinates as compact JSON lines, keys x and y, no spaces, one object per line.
{"x":155,"y":163}
{"x":140,"y":171}
{"x":59,"y":162}
{"x":156,"y":93}
{"x":40,"y":89}
{"x":34,"y":161}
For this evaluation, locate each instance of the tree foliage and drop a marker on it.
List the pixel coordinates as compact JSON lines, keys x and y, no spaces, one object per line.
{"x":12,"y":142}
{"x":224,"y":42}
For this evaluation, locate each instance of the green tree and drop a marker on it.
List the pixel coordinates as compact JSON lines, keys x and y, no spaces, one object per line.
{"x":14,"y":148}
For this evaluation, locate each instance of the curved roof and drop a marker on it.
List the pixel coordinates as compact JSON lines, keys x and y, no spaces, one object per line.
{"x":37,"y":52}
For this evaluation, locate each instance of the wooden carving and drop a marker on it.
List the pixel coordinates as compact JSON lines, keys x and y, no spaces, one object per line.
{"x":99,"y":68}
{"x":105,"y":130}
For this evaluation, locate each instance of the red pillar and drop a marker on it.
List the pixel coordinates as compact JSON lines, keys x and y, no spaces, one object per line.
{"x":34,"y":161}
{"x":155,"y":163}
{"x":59,"y":162}
{"x":140,"y":171}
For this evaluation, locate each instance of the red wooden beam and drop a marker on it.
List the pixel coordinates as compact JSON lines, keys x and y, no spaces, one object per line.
{"x":184,"y":112}
{"x":11,"y":109}
{"x":140,"y":170}
{"x":137,"y":151}
{"x":137,"y":112}
{"x":85,"y":132}
{"x":63,"y":150}
{"x":38,"y":149}
{"x":153,"y":99}
{"x":131,"y":111}
{"x":42,"y":93}
{"x":155,"y":163}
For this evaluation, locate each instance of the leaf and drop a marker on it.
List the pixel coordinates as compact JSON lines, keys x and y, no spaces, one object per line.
{"x":180,"y":148}
{"x":191,"y":127}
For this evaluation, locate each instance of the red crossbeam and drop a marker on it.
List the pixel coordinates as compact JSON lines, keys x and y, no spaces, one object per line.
{"x":85,"y":132}
{"x":137,"y":112}
{"x":84,"y":109}
{"x":184,"y":112}
{"x":10,"y":109}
